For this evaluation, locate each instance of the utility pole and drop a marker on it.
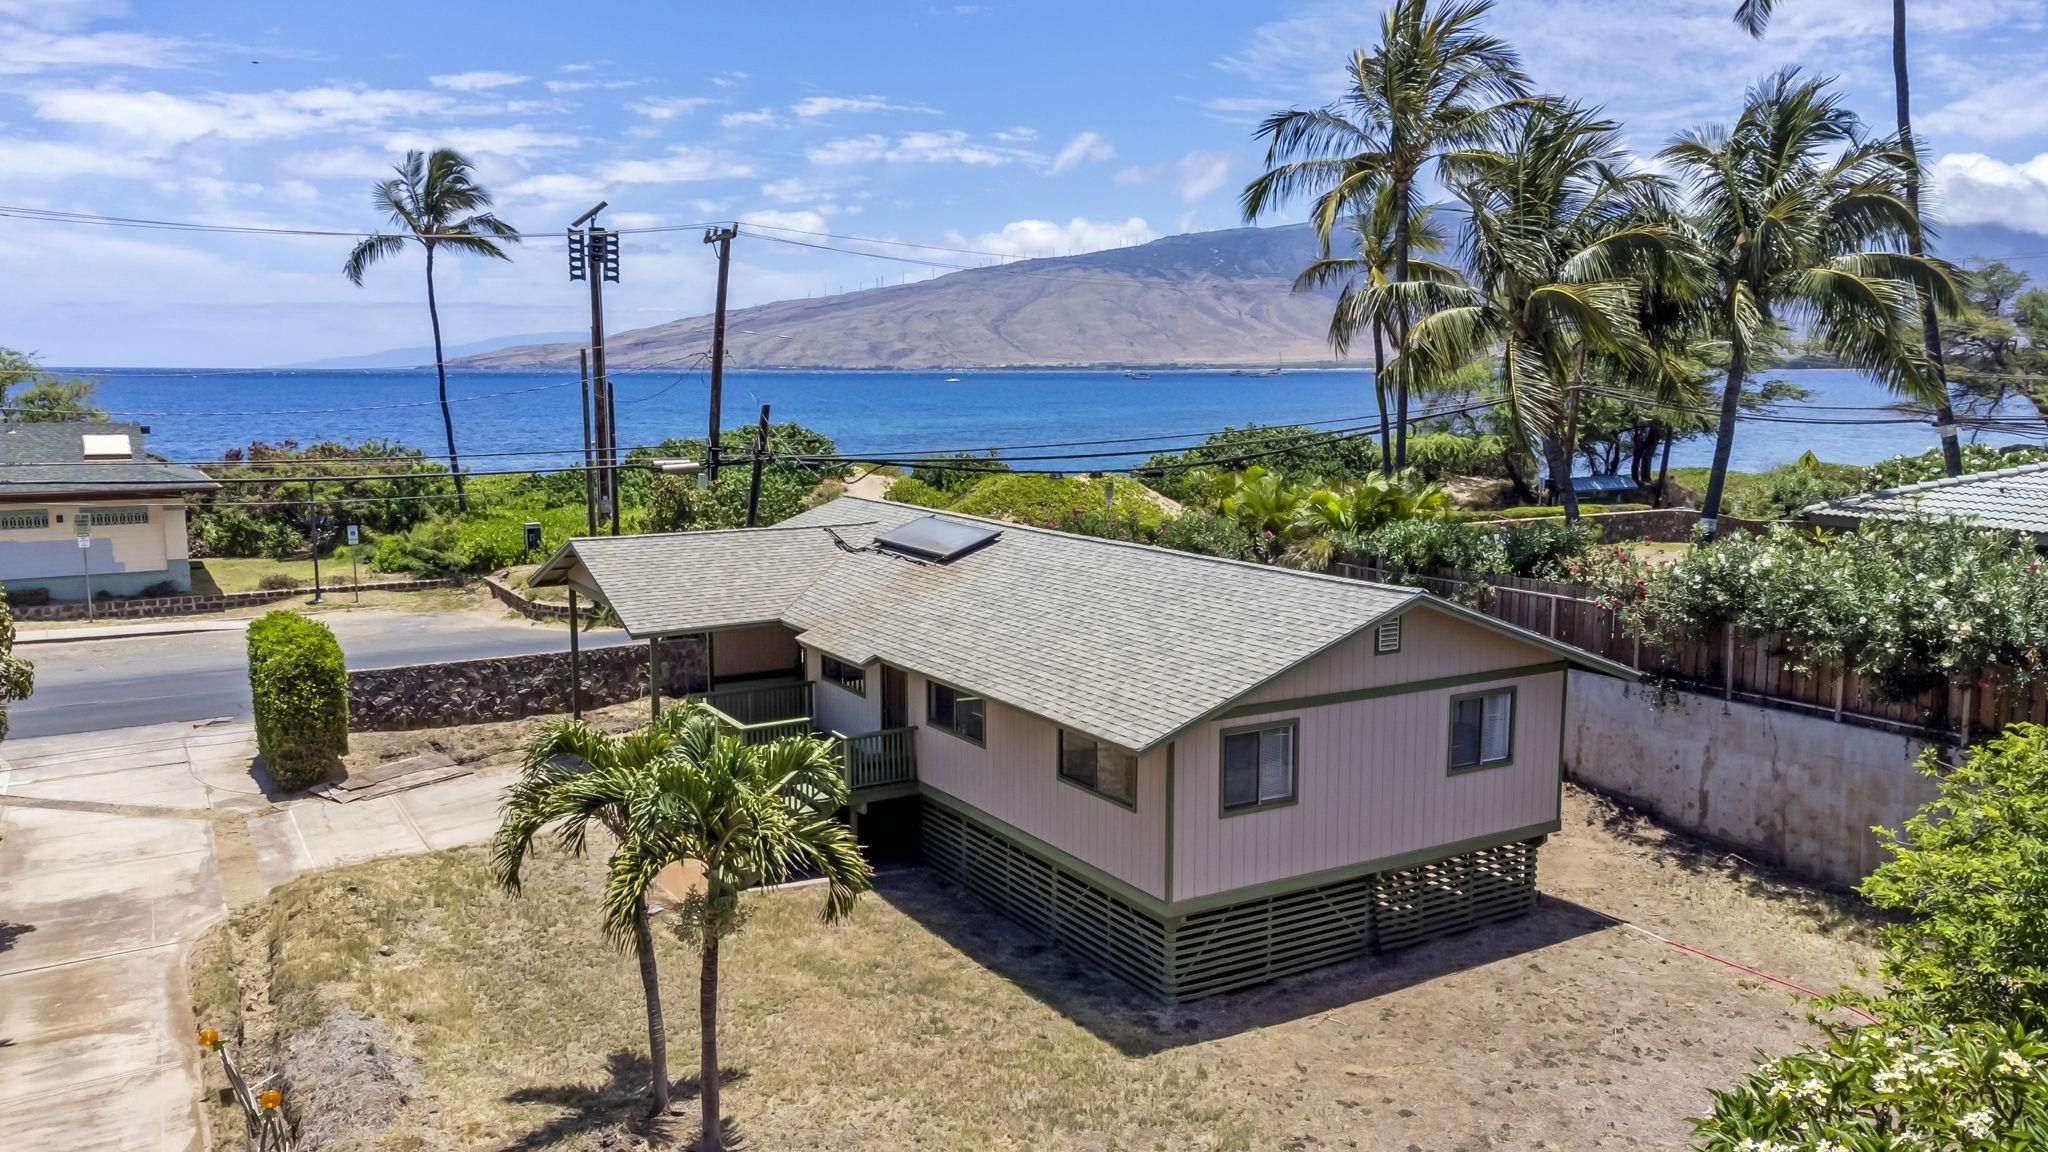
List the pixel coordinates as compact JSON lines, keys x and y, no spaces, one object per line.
{"x":722,"y":238}
{"x":760,"y":456}
{"x":589,"y":472}
{"x":596,"y":246}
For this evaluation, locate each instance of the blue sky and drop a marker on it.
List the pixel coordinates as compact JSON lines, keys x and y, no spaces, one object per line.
{"x":1027,"y":128}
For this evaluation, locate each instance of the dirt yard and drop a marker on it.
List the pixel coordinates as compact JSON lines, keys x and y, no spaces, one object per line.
{"x":415,"y":1006}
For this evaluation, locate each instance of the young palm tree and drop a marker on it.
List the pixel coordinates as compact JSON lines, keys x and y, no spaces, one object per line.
{"x":685,"y":789}
{"x":1431,"y":91}
{"x":1800,"y":219}
{"x":1560,"y":238}
{"x":1373,"y":234}
{"x":434,"y":201}
{"x":1755,"y":17}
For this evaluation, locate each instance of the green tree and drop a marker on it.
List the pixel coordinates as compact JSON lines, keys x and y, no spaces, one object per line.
{"x":1755,"y":17}
{"x":43,"y":396}
{"x":683,"y":789}
{"x":1427,"y":94}
{"x":17,"y":675}
{"x":1373,"y":237}
{"x":1799,"y":218}
{"x":1559,"y":237}
{"x":434,"y":201}
{"x":1970,"y":873}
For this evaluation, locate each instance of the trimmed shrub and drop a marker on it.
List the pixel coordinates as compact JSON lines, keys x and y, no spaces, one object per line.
{"x":277,"y":581}
{"x":28,"y":597}
{"x":911,"y":490}
{"x":160,"y":590}
{"x":300,"y":686}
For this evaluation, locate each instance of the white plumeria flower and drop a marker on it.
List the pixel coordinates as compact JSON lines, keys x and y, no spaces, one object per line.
{"x":1977,"y":1124}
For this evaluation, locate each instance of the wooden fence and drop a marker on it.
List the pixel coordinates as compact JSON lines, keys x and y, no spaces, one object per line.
{"x":1733,"y":663}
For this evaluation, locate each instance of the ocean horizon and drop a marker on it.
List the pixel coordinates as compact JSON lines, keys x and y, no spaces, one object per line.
{"x":532,"y":419}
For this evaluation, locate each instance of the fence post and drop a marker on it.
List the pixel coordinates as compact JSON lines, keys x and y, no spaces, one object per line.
{"x":1553,"y":617}
{"x":1841,"y":681}
{"x":1728,"y":661}
{"x":1969,"y":709}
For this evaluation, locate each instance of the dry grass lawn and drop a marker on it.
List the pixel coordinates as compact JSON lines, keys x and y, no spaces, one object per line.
{"x":458,"y":1016}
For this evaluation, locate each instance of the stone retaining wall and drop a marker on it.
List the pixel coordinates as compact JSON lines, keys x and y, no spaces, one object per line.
{"x":1668,"y":525}
{"x":512,"y":598}
{"x":217,"y":602}
{"x":514,"y":687}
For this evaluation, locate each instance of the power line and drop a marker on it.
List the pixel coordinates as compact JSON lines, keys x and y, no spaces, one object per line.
{"x":59,"y":216}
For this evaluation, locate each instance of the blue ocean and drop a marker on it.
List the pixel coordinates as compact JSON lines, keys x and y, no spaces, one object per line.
{"x":529,"y":419}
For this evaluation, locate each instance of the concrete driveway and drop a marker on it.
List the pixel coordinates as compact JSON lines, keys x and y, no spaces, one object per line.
{"x":117,"y":849}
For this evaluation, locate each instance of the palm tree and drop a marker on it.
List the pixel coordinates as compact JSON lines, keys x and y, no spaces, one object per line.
{"x":435,"y":202}
{"x":1373,"y":233}
{"x":1559,"y":237}
{"x":1429,"y":92}
{"x":1800,"y":216}
{"x":1755,"y":17}
{"x":683,"y":789}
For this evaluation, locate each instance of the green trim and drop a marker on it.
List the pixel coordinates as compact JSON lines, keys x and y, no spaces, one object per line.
{"x":1122,"y":889}
{"x":1193,"y":905}
{"x":1223,"y":810}
{"x":1166,"y":871}
{"x":1059,"y":765}
{"x":1451,"y":748}
{"x":958,"y":692}
{"x":1299,"y":703}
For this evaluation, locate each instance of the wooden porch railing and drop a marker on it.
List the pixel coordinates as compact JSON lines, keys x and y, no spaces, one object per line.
{"x":875,"y":759}
{"x":762,"y":703}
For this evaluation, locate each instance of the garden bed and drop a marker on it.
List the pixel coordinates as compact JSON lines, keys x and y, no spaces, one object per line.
{"x":928,"y":1022}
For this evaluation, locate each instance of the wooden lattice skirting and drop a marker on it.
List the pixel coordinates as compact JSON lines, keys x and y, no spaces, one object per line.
{"x":1239,"y":945}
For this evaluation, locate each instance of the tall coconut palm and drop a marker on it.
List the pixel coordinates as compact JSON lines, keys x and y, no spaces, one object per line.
{"x":1431,"y":90}
{"x":1755,"y":17}
{"x":684,"y":789}
{"x":435,"y":202}
{"x":1372,"y":235}
{"x":1558,"y":236}
{"x":1801,"y":219}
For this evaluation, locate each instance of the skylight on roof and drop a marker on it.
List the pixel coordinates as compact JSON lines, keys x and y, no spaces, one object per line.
{"x":935,"y":539}
{"x":105,"y":446}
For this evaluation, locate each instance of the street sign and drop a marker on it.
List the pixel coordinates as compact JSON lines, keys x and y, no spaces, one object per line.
{"x":85,"y":539}
{"x":1808,"y":460}
{"x":354,"y":536}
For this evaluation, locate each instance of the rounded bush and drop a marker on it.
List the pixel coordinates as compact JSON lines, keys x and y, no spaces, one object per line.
{"x":299,"y":684}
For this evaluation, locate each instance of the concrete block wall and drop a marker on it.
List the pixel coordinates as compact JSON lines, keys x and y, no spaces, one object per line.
{"x":1798,"y":792}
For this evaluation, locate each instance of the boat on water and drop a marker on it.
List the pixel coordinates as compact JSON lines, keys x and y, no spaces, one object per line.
{"x":952,"y":379}
{"x":1130,"y":374}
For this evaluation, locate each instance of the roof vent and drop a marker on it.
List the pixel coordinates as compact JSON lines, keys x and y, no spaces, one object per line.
{"x":935,"y":539}
{"x":106,"y":446}
{"x":1388,"y":638}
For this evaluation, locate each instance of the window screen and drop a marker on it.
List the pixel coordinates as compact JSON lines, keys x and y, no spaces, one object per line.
{"x":851,"y":677}
{"x":1481,"y":727}
{"x":954,"y":711}
{"x":1258,"y":767}
{"x":1099,"y":767}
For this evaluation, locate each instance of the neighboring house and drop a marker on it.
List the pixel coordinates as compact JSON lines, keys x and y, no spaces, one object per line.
{"x":1596,"y":489}
{"x":1200,"y":773}
{"x":61,"y":480}
{"x":2011,"y":498}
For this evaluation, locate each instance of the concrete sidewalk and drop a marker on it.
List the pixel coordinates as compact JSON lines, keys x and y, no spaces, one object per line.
{"x":117,"y":849}
{"x":121,"y":631}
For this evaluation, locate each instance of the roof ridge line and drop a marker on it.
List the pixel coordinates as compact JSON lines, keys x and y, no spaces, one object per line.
{"x":727,"y":531}
{"x":1152,"y":548}
{"x":1940,"y":482}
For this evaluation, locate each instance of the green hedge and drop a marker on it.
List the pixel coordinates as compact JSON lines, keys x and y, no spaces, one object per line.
{"x":300,"y":686}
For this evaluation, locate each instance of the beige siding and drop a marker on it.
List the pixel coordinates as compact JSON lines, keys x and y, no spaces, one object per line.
{"x":32,"y":553}
{"x":1015,"y":780}
{"x":1433,"y":645}
{"x":837,"y":710}
{"x":753,"y":651}
{"x":1373,"y":779}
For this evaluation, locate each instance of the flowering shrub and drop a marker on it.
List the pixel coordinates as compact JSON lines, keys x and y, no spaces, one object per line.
{"x":1971,"y":1088}
{"x":1909,"y":605}
{"x":1618,"y":577}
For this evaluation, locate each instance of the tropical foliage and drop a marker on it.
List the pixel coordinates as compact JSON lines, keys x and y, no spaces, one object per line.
{"x":685,"y":789}
{"x":270,"y":508}
{"x":17,"y":675}
{"x":31,"y":394}
{"x":298,"y":685}
{"x":434,"y":201}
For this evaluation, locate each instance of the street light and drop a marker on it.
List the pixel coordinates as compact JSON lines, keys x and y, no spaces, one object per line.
{"x":676,"y":467}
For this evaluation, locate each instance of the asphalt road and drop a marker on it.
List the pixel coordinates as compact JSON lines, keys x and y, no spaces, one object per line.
{"x":88,"y":685}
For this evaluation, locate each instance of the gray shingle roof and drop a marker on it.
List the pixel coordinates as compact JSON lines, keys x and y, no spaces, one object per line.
{"x":1124,"y":642}
{"x":48,"y":459}
{"x":2013,"y":498}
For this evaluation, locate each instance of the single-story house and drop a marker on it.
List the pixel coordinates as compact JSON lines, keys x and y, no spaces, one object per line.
{"x":80,"y":505}
{"x":1199,"y":773}
{"x":2011,"y":498}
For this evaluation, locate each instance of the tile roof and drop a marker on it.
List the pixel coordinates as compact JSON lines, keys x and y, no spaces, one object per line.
{"x":2013,"y":498}
{"x":1124,"y":642}
{"x":49,"y":459}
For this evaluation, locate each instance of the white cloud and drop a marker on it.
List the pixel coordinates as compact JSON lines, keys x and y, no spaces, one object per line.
{"x":763,"y":117}
{"x":792,"y":190}
{"x":811,"y":106}
{"x":1018,"y":135}
{"x":515,"y":142}
{"x":476,"y":81}
{"x":682,"y":164}
{"x":555,"y":187}
{"x":24,"y":161}
{"x":1140,"y":174}
{"x":915,"y":147}
{"x":161,"y":119}
{"x":805,"y":221}
{"x":44,"y":35}
{"x":1202,"y":173}
{"x":1976,"y":189}
{"x":341,"y":164}
{"x":2004,"y":106}
{"x":1048,"y":238}
{"x":560,"y":87}
{"x":1082,"y":149}
{"x":668,"y":107}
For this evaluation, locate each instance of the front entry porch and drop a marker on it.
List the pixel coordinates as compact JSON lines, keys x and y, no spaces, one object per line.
{"x":878,"y":765}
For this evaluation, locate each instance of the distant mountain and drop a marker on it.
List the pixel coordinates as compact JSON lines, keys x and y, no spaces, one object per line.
{"x":1202,"y":298}
{"x":424,"y":356}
